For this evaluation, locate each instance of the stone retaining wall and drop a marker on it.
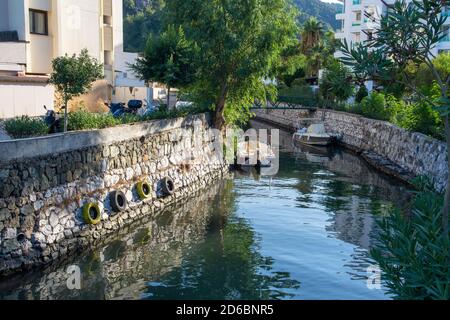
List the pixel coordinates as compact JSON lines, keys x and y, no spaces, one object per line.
{"x":150,"y":247}
{"x":398,"y":150}
{"x":44,"y":187}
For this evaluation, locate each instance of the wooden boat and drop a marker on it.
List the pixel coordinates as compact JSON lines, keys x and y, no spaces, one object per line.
{"x":315,"y":135}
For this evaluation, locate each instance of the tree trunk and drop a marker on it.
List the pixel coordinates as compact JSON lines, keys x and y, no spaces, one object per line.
{"x":168,"y":98}
{"x":447,"y":193}
{"x":219,"y":120}
{"x":66,"y":108}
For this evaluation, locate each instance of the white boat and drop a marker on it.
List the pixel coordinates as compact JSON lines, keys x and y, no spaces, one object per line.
{"x":314,"y":135}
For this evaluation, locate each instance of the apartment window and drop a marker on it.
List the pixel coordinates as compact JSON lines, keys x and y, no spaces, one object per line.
{"x":38,"y":22}
{"x":358,"y":16}
{"x":357,"y":37}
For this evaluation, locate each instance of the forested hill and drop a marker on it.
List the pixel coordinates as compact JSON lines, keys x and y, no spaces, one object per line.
{"x":142,"y":17}
{"x":325,"y":12}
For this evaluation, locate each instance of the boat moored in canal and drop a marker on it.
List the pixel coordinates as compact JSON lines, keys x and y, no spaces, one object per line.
{"x":314,"y":135}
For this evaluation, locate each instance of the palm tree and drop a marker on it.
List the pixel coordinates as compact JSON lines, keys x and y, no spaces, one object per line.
{"x":312,"y":33}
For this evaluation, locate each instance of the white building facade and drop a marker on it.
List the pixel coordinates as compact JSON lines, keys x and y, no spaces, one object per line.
{"x":357,"y":27}
{"x":34,"y":32}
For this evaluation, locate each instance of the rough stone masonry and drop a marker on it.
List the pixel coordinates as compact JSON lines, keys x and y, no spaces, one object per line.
{"x":394,"y":150}
{"x":45,"y":182}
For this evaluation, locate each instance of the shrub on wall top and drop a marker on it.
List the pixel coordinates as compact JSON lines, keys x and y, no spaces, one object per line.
{"x":26,"y":127}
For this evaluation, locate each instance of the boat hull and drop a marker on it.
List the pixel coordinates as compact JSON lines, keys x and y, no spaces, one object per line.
{"x":313,"y":141}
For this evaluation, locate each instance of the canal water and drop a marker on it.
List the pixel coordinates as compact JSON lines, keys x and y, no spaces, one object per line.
{"x":302,"y":234}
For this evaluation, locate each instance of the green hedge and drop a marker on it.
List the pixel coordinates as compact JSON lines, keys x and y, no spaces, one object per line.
{"x":26,"y":127}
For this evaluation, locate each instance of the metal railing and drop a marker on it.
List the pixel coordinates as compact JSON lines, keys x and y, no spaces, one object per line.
{"x":289,"y":102}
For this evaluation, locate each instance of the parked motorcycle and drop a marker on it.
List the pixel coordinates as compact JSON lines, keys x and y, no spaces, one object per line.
{"x":53,"y":121}
{"x":135,"y":107}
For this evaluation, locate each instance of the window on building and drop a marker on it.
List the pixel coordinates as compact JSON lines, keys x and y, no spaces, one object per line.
{"x":357,"y":37}
{"x":38,"y":22}
{"x":358,"y":15}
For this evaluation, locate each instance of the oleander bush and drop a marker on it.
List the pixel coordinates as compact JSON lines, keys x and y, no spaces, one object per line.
{"x":26,"y":127}
{"x":413,"y":251}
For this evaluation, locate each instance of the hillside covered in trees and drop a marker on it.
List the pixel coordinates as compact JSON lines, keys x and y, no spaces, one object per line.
{"x":144,"y":17}
{"x":325,"y":12}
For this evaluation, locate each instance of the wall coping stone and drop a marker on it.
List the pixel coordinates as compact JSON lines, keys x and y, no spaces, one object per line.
{"x":58,"y":143}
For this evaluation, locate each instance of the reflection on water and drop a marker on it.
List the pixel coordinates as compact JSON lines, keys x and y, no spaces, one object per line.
{"x":303,"y":234}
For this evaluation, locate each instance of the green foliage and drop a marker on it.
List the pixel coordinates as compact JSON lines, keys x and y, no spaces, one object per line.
{"x":410,"y":31}
{"x":291,"y":66}
{"x":318,"y":46}
{"x":416,"y":117}
{"x":361,"y":94}
{"x":74,"y":75}
{"x":312,"y":32}
{"x":374,"y":106}
{"x":147,"y":17}
{"x":142,"y":20}
{"x":26,"y":127}
{"x":239,"y":43}
{"x":413,"y":251}
{"x":404,"y":41}
{"x":325,"y":12}
{"x":366,"y":64}
{"x":84,"y":120}
{"x":336,"y":83}
{"x":424,"y":79}
{"x":298,"y":94}
{"x":167,"y":59}
{"x":165,"y":113}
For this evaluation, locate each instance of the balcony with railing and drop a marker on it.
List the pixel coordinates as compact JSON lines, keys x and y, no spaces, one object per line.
{"x":13,"y":52}
{"x":369,"y":24}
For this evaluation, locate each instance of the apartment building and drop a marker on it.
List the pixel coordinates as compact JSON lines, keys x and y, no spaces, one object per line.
{"x":34,"y":32}
{"x":359,"y":18}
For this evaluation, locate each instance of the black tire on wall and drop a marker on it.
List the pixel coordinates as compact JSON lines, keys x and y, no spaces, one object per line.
{"x":168,"y":187}
{"x":118,"y":201}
